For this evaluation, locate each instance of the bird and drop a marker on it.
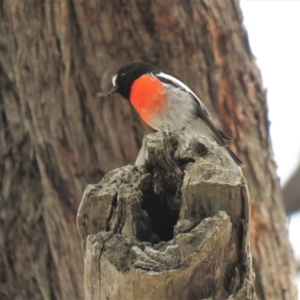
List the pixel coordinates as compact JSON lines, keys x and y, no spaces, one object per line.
{"x":162,"y":99}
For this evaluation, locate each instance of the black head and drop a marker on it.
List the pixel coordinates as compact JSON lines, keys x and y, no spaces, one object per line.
{"x":126,"y":75}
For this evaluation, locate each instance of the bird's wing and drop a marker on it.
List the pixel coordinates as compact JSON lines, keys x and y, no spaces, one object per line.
{"x":200,"y":111}
{"x":169,"y":79}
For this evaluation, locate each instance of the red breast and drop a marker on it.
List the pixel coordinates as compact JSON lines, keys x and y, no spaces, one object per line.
{"x":148,"y":97}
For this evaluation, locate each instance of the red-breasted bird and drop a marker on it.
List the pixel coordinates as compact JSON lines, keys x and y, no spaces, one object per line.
{"x":162,"y":99}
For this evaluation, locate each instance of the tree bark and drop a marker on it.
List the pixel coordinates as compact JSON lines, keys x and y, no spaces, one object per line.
{"x":58,"y":133}
{"x":174,"y":226}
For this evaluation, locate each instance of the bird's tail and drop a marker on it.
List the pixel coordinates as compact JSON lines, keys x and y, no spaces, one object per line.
{"x":234,"y":157}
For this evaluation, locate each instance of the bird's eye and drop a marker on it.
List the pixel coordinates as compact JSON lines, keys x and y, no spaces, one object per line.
{"x":123,"y":74}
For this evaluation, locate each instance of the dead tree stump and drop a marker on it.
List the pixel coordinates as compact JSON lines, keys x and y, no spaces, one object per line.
{"x":173,"y":226}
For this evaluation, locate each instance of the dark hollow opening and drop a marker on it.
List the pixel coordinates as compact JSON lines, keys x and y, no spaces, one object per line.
{"x":163,"y":217}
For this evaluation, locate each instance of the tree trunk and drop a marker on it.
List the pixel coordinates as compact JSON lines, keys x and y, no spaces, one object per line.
{"x":58,"y":133}
{"x":174,"y":226}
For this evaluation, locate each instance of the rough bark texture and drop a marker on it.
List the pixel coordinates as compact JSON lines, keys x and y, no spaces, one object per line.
{"x":58,"y":133}
{"x":126,"y":222}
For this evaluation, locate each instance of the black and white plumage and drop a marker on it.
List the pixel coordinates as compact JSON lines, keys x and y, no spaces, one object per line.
{"x":162,"y":99}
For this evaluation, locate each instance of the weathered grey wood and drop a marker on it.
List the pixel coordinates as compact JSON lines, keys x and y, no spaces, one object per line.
{"x":174,"y":226}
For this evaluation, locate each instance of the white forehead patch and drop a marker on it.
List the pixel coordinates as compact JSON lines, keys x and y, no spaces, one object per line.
{"x":114,"y":79}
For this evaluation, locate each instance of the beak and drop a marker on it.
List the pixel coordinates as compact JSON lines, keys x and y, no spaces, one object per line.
{"x":113,"y":91}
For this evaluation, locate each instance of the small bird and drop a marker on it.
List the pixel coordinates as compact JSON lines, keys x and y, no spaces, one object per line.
{"x":162,"y":99}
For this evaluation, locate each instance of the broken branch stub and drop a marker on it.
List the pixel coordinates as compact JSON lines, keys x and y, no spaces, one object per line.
{"x":174,"y":226}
